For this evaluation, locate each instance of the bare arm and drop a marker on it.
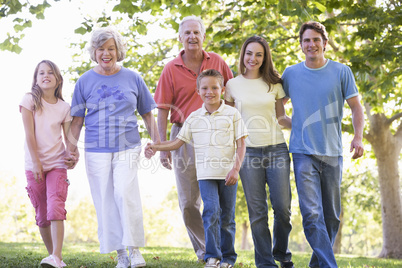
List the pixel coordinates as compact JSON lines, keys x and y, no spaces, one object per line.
{"x":233,"y":175}
{"x":358,"y":126}
{"x":72,"y":133}
{"x":165,"y":157}
{"x":167,"y":145}
{"x":283,"y":119}
{"x":150,"y":124}
{"x":29,"y":126}
{"x":71,"y":158}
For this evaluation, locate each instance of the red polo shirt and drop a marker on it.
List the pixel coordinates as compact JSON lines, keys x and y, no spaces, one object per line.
{"x":177,"y":86}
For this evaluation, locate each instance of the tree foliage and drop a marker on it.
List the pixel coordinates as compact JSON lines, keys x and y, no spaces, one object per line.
{"x":21,"y":14}
{"x":364,"y":34}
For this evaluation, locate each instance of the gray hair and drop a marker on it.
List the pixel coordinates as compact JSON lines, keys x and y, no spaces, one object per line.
{"x":101,"y":35}
{"x":193,"y":18}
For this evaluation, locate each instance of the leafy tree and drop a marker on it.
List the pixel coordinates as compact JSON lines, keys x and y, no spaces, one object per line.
{"x":21,"y":13}
{"x":364,"y":34}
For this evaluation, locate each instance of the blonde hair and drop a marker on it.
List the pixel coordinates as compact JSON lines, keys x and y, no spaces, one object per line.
{"x":101,"y":35}
{"x":37,"y":92}
{"x":210,"y":73}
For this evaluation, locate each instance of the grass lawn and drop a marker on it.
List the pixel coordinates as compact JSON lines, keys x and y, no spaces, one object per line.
{"x":87,"y":255}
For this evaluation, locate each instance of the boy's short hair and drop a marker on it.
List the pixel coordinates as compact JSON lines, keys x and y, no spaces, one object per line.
{"x":211,"y":73}
{"x":313,"y":25}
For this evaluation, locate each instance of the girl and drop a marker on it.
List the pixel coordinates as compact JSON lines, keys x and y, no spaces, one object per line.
{"x":257,"y":92}
{"x":45,"y":114}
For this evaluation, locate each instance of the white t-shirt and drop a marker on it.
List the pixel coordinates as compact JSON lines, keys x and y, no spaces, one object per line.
{"x":214,"y":137}
{"x":257,"y":108}
{"x":48,"y":129}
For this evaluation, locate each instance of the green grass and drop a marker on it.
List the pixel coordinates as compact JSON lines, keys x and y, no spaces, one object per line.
{"x":87,"y":255}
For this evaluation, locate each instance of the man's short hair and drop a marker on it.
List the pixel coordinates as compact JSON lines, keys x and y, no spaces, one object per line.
{"x":194,"y":18}
{"x":313,"y":25}
{"x":210,"y":73}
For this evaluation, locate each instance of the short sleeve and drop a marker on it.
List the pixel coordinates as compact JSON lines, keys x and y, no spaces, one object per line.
{"x":78,"y":103}
{"x":280,"y":93}
{"x":164,"y":90}
{"x":349,"y":89}
{"x":285,"y":83}
{"x":239,"y":126}
{"x":67,"y":117}
{"x":27,"y":102}
{"x":185,"y":133}
{"x":228,"y":93}
{"x":145,"y":102}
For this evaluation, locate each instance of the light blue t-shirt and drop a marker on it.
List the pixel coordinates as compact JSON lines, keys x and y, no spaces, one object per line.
{"x":108,"y":103}
{"x":318,"y":97}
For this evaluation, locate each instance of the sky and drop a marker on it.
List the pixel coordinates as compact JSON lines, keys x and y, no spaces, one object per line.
{"x":50,"y":39}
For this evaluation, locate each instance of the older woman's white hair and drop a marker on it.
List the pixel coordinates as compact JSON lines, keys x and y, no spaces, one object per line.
{"x":101,"y":35}
{"x":194,"y":18}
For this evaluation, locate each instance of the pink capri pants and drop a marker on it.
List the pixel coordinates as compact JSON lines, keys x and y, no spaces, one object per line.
{"x":48,"y":196}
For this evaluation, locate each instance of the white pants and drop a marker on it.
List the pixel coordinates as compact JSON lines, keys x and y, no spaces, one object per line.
{"x":115,"y":192}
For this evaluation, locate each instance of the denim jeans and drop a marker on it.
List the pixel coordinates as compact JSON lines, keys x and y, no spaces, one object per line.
{"x":318,"y":181}
{"x":268,"y":165}
{"x":219,"y":219}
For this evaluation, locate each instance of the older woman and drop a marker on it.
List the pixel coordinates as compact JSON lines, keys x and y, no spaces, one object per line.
{"x":106,"y":97}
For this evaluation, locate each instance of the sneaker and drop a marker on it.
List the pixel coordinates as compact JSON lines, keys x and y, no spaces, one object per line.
{"x":287,"y":264}
{"x":226,"y":265}
{"x":136,"y":259}
{"x":212,"y":263}
{"x":51,"y":261}
{"x":63,"y":264}
{"x":122,"y":262}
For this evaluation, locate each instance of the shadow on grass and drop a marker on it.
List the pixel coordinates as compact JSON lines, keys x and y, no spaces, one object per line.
{"x":85,"y":255}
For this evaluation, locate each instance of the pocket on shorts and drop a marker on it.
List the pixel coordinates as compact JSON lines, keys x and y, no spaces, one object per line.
{"x":32,"y":196}
{"x":62,"y":187}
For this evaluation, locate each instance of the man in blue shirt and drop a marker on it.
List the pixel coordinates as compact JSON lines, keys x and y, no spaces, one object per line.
{"x":318,"y":88}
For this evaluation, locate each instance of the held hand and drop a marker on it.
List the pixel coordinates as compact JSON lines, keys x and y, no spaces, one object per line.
{"x":149,"y":151}
{"x":166,"y":159}
{"x":358,"y":146}
{"x":71,"y":159}
{"x":232,"y":177}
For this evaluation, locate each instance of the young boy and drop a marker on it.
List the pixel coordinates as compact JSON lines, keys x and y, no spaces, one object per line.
{"x":215,"y":130}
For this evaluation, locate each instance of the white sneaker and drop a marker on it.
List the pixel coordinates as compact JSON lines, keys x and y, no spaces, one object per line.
{"x":136,"y":259}
{"x":122,"y":262}
{"x":213,"y":263}
{"x":51,"y":262}
{"x":226,"y":265}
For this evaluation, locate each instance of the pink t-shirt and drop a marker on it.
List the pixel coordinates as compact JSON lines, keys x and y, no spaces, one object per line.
{"x":177,"y":86}
{"x":48,"y":129}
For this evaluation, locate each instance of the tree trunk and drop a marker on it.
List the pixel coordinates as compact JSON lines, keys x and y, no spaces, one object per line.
{"x":387,"y":149}
{"x":338,"y":239}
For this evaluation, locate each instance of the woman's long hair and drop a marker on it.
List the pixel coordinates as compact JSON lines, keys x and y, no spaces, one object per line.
{"x":37,"y":92}
{"x":267,"y":70}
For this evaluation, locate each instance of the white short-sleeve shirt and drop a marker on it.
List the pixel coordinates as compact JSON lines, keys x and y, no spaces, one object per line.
{"x":214,"y":139}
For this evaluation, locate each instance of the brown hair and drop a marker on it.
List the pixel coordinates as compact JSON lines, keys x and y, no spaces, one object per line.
{"x":313,"y":25}
{"x":267,"y":70}
{"x":37,"y":92}
{"x":210,"y":73}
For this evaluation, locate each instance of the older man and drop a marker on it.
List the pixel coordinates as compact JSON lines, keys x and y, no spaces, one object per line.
{"x":176,"y":93}
{"x":318,"y":88}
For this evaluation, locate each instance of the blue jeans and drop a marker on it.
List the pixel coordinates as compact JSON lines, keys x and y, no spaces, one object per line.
{"x":268,"y":165}
{"x":318,"y":181}
{"x":218,"y":217}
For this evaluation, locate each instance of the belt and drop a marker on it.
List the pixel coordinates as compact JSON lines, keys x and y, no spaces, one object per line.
{"x":178,"y":124}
